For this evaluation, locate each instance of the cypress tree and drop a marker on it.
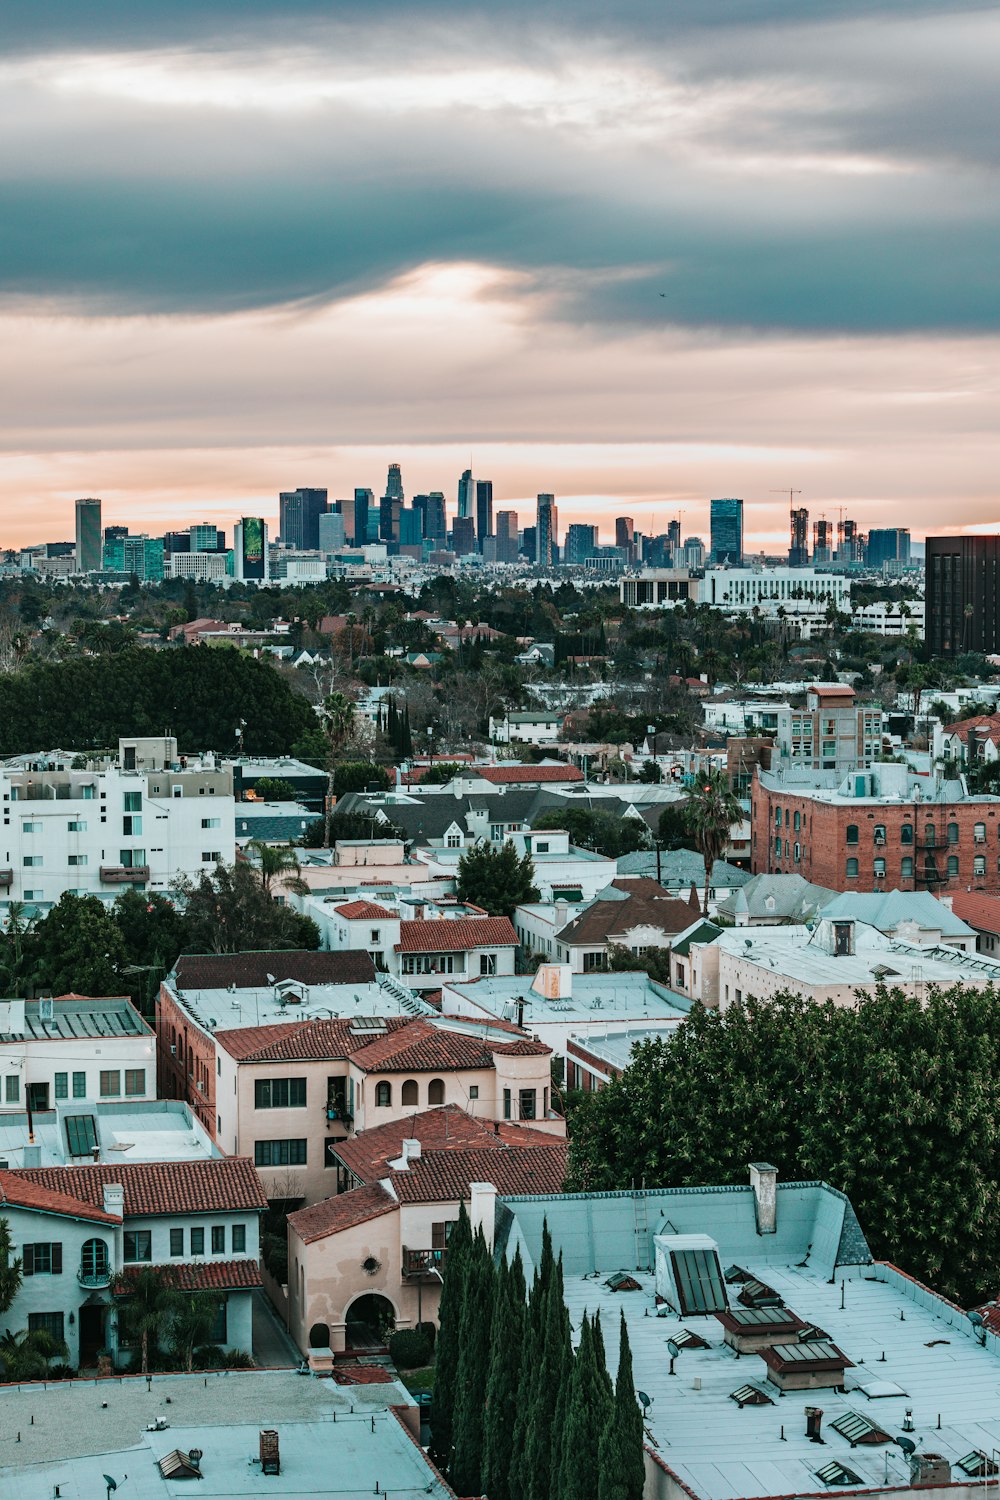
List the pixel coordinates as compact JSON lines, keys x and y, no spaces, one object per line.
{"x":620,"y":1455}
{"x":473,"y":1369}
{"x":588,"y":1409}
{"x":507,"y":1344}
{"x":544,"y":1397}
{"x":390,"y":723}
{"x":448,"y":1341}
{"x":563,"y":1378}
{"x":531,"y":1365}
{"x":405,"y":737}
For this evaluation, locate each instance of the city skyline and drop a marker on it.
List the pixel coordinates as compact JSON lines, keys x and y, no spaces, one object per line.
{"x":751,"y":253}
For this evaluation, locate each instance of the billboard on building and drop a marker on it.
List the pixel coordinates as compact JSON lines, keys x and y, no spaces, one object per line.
{"x":253,"y":547}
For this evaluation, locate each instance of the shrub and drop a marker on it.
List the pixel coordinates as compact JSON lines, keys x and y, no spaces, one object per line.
{"x":61,"y":1372}
{"x":429,"y":1332}
{"x":209,"y":1357}
{"x":409,"y":1349}
{"x":238,"y":1359}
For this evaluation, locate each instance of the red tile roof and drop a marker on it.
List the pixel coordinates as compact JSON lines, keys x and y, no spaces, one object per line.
{"x":989,"y":724}
{"x":345,"y":1211}
{"x":445,"y":1129}
{"x":528,"y":775}
{"x":362,"y":1375}
{"x":445,"y":1176}
{"x":169,"y":1187}
{"x":17,"y":1193}
{"x":455,"y":935}
{"x":424,"y":1047}
{"x":301,"y":1041}
{"x":364,"y":911}
{"x":204,"y":1276}
{"x":216,"y":971}
{"x":980,"y":909}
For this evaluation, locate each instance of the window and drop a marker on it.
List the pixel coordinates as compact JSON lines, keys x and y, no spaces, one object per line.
{"x":111,"y":1084}
{"x":133,"y":802}
{"x":176,"y":1242}
{"x":435,"y":1091}
{"x":47,"y":1322}
{"x":506,"y":1104}
{"x":197,"y":1242}
{"x":879,"y":832}
{"x":32,"y":861}
{"x":542,"y":848}
{"x":218,"y":1239}
{"x":526,"y":1104}
{"x":219,"y":1334}
{"x":135,"y":1082}
{"x":952,"y":864}
{"x":698,"y":1278}
{"x":487,"y":963}
{"x":906,"y":833}
{"x":131,"y":826}
{"x":42,"y":1259}
{"x":28,"y":827}
{"x":239,"y":1239}
{"x":473,"y":1090}
{"x":79,"y":1085}
{"x":81,"y":1135}
{"x":94,"y":1258}
{"x":878,"y":868}
{"x":777,"y":817}
{"x":798,"y":852}
{"x":280,"y":1093}
{"x":77,"y":825}
{"x":137,"y":1246}
{"x":410,"y":1093}
{"x":211,"y":857}
{"x":797,"y":822}
{"x":383,"y":1095}
{"x":953,"y":833}
{"x":852,"y":833}
{"x":212,"y":823}
{"x":62,"y":1085}
{"x":441,"y":1233}
{"x":279,"y":1153}
{"x":906,"y":868}
{"x":454,"y":841}
{"x":979,"y":833}
{"x":12,"y":1088}
{"x":852,"y":869}
{"x":132,"y":859}
{"x":979,"y":864}
{"x":777,"y":845}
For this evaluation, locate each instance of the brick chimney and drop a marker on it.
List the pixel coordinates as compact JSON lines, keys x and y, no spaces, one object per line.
{"x":270,"y":1462}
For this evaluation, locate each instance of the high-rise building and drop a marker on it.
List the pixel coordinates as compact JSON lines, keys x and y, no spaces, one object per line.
{"x":962,"y":605}
{"x":674,"y":534}
{"x":546,"y":532}
{"x":798,"y":550}
{"x":822,"y":541}
{"x":394,"y":483}
{"x":298,"y":517}
{"x":332,"y":532}
{"x":251,"y":562}
{"x":141,"y":555}
{"x":206,"y":537}
{"x":463,"y":536}
{"x":507,"y":536}
{"x":888,"y":546}
{"x":694,"y":552}
{"x":176,"y":543}
{"x":624,"y":535}
{"x":435,"y":519}
{"x":88,"y":535}
{"x":389,"y":510}
{"x":411,"y":526}
{"x":115,"y":533}
{"x":581,"y":543}
{"x":529,"y":542}
{"x":727,"y":531}
{"x":466,"y":494}
{"x":484,"y":510}
{"x":363,"y":501}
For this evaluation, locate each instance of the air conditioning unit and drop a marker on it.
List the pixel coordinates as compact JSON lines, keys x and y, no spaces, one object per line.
{"x":173,"y":1049}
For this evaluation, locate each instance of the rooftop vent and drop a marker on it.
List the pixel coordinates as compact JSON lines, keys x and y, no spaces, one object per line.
{"x":180,"y":1465}
{"x":927,"y":1469}
{"x":858,"y":1429}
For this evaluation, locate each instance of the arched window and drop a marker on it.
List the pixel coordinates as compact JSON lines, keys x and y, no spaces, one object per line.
{"x":435,"y":1091}
{"x":906,"y":868}
{"x":383,"y":1094}
{"x":777,"y":817}
{"x":930,"y":835}
{"x":852,"y":833}
{"x":953,"y":833}
{"x":952,"y":864}
{"x":852,"y":867}
{"x":906,"y":833}
{"x":979,"y":864}
{"x":798,"y":852}
{"x":410,"y":1094}
{"x":979,"y":833}
{"x":878,"y":869}
{"x":797,"y":822}
{"x":879,"y":832}
{"x":94,"y":1258}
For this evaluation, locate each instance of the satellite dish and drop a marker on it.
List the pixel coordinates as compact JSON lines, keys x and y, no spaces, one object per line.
{"x":673,"y":1349}
{"x":647,"y":1401}
{"x":907,"y":1444}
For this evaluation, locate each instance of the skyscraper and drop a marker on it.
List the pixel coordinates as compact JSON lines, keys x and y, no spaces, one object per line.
{"x":250,"y":550}
{"x":298,"y":517}
{"x":727,"y":531}
{"x":581,"y":543}
{"x":889,"y":545}
{"x":389,"y":510}
{"x":466,"y":494}
{"x":484,"y":510}
{"x":206,"y":537}
{"x":546,"y":532}
{"x":848,"y":541}
{"x":798,"y":547}
{"x":363,"y":500}
{"x":331,"y":532}
{"x":435,"y":520}
{"x":624,"y":535}
{"x":394,"y":483}
{"x":962,"y":607}
{"x":674,"y":534}
{"x":822,"y":541}
{"x":463,"y":536}
{"x":507,"y":536}
{"x":88,"y":536}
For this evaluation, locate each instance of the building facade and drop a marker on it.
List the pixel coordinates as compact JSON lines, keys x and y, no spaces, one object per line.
{"x":88,"y":535}
{"x":727,"y":531}
{"x":962,"y":598}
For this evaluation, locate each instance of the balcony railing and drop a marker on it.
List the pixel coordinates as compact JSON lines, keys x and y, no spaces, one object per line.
{"x":124,"y":875}
{"x":423,"y":1262}
{"x":337,"y":1114}
{"x":94,"y":1277}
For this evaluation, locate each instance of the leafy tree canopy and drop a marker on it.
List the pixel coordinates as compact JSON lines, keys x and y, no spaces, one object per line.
{"x":603,"y":832}
{"x":496,"y":879}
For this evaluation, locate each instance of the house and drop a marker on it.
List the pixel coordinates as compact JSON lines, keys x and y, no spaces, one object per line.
{"x":372,"y":1257}
{"x":592,"y":1061}
{"x":76,"y":1228}
{"x":272,"y":822}
{"x":288,"y":1096}
{"x":76,"y":1130}
{"x":682,"y":870}
{"x":969,"y":742}
{"x":562,"y":871}
{"x":822,"y":1399}
{"x":980,"y":911}
{"x":769,"y":900}
{"x":60,"y":1052}
{"x":416,"y":939}
{"x":633,"y":912}
{"x":540,"y":727}
{"x":915,"y":917}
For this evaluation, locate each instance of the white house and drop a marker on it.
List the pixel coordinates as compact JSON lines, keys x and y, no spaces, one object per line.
{"x":417,"y":941}
{"x":529,"y":728}
{"x":71,"y":1049}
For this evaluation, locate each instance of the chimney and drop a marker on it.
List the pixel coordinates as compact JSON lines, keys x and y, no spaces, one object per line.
{"x":482,"y":1209}
{"x":562,"y":911}
{"x":114,"y":1199}
{"x":814,"y":1421}
{"x":270,"y":1462}
{"x":929,"y":1469}
{"x":764,"y":1181}
{"x":411,"y":1149}
{"x":31,"y":1156}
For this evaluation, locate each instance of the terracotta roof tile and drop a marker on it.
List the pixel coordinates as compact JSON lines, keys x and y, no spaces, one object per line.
{"x":300,"y":1041}
{"x":980,"y":909}
{"x":528,"y":775}
{"x":990,"y":723}
{"x":216,"y":971}
{"x":364,"y":911}
{"x":445,"y":1129}
{"x":345,"y":1374}
{"x":206,"y":1276}
{"x":345,"y":1211}
{"x":456,"y":935}
{"x":215,"y":1186}
{"x":422,"y":1047}
{"x":15,"y":1192}
{"x":445,"y":1176}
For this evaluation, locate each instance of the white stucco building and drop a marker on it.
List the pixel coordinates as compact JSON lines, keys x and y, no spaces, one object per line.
{"x":71,"y":1049}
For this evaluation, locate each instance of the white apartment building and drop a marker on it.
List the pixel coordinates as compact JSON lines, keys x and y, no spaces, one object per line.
{"x":737,"y":589}
{"x":527,"y":728}
{"x":203,"y":567}
{"x":72,"y":823}
{"x":57,"y":1054}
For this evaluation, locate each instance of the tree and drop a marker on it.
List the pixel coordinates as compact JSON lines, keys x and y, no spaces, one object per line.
{"x":507,"y":1337}
{"x":588,"y":1409}
{"x":651,"y":773}
{"x":448,"y":1342}
{"x":358,"y":776}
{"x":78,"y":947}
{"x":498,"y":880}
{"x":672,"y":829}
{"x":27,"y":1355}
{"x":273,"y":789}
{"x":441,"y":772}
{"x":149,"y":1304}
{"x":191,"y":1320}
{"x":473,"y":1369}
{"x":605,"y":833}
{"x":10,"y":1268}
{"x":712,"y":811}
{"x":336,"y":715}
{"x":620,"y":1460}
{"x":277,"y":862}
{"x":229,"y":911}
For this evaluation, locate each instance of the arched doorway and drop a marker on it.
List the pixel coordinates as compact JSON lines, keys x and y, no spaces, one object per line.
{"x":371,"y":1320}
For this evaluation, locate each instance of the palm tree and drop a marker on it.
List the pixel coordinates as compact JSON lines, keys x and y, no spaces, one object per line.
{"x":712,"y":810}
{"x":10,"y":1270}
{"x":26,"y":1355}
{"x":151,"y":1300}
{"x":191,"y":1322}
{"x":273,"y":862}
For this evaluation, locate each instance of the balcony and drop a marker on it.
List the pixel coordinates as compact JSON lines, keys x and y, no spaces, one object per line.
{"x":124,"y":875}
{"x":429,"y":1263}
{"x":336,"y":1114}
{"x":93,"y":1277}
{"x":6,"y":878}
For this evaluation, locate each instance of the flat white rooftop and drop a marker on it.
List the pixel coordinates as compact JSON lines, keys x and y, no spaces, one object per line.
{"x":160,"y":1130}
{"x":796,"y":952}
{"x":605,"y":999}
{"x":225,"y":1010}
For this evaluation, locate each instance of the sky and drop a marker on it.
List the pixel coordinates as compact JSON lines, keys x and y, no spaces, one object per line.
{"x":635,"y":255}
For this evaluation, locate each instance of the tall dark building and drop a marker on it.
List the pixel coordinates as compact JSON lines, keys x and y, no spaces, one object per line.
{"x":390,"y":508}
{"x":394,"y":483}
{"x":176,"y":541}
{"x":362,"y":504}
{"x":798,"y":550}
{"x":298,"y":517}
{"x":435,"y":520}
{"x":115,"y":533}
{"x":962,"y":604}
{"x":727,"y":531}
{"x":822,"y":541}
{"x":88,"y":535}
{"x":624,"y":532}
{"x":529,"y":543}
{"x":484,"y":511}
{"x":507,"y":536}
{"x":466,"y":494}
{"x":546,"y":532}
{"x":889,"y":545}
{"x":463,"y":536}
{"x":674,"y":535}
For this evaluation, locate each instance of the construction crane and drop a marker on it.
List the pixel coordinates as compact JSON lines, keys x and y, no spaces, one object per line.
{"x":789,"y":493}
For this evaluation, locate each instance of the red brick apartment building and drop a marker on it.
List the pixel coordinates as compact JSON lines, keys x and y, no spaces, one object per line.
{"x":879,"y":829}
